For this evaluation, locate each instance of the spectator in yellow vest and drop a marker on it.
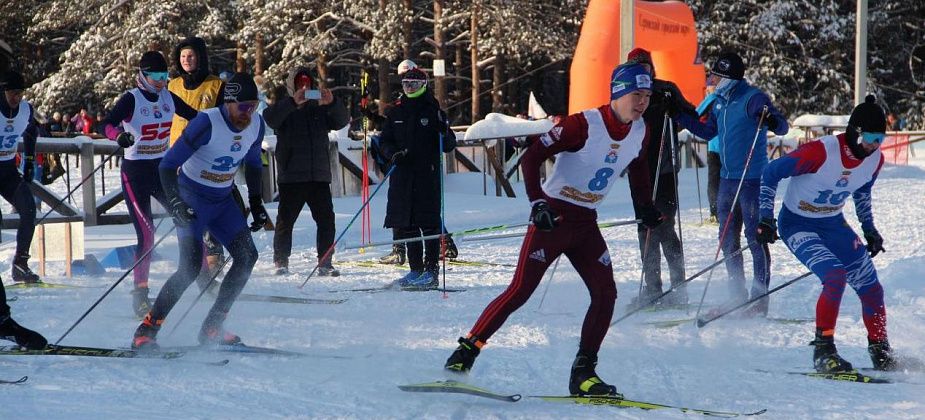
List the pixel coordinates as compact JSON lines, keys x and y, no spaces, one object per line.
{"x":195,"y":85}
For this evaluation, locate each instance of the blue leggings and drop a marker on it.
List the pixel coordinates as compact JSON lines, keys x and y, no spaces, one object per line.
{"x":747,"y":205}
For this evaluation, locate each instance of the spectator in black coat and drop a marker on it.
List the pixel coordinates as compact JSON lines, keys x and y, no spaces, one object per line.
{"x":414,"y":134}
{"x":303,"y":163}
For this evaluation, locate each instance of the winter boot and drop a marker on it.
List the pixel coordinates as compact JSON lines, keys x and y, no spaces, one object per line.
{"x":584,"y":381}
{"x":21,"y":271}
{"x":24,"y":337}
{"x":408,"y":279}
{"x":825,"y":355}
{"x":881,"y":354}
{"x":451,"y":251}
{"x":212,"y":332}
{"x":397,"y":256}
{"x":426,"y":281}
{"x":141,"y":303}
{"x":282,"y":267}
{"x":145,"y":338}
{"x":462,"y":359}
{"x":327,"y":270}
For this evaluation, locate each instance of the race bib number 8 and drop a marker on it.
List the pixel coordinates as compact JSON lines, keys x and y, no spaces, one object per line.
{"x":601,"y":179}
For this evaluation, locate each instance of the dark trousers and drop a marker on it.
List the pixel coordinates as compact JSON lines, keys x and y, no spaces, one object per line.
{"x":291,"y":199}
{"x":140,"y":182}
{"x":17,"y":193}
{"x":213,"y":246}
{"x":652,"y":242}
{"x":421,"y":256}
{"x":713,"y":167}
{"x":582,"y":243}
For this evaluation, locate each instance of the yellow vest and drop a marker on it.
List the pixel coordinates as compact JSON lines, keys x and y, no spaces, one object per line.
{"x":199,"y":99}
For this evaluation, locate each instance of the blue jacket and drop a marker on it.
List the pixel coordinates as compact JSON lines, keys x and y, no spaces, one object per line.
{"x":734,"y":120}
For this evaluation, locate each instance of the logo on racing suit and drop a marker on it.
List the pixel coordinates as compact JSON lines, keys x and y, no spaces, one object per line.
{"x":157,"y":112}
{"x":538,"y":255}
{"x":843,"y":181}
{"x":424,"y":122}
{"x":236,"y":144}
{"x":611,"y":156}
{"x":604,"y":259}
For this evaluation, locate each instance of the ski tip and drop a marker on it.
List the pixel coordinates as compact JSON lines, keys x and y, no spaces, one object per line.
{"x":700,"y":323}
{"x":757,"y":413}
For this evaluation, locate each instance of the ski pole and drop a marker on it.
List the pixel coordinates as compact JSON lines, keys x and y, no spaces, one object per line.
{"x":198,"y":297}
{"x":111,"y":288}
{"x":735,"y":199}
{"x":357,"y":214}
{"x":549,"y":282}
{"x":658,"y":170}
{"x":702,"y":322}
{"x":694,"y":158}
{"x":442,"y":202}
{"x":678,"y":286}
{"x":85,"y":179}
{"x":516,"y":234}
{"x":677,"y":196}
{"x":437,"y":236}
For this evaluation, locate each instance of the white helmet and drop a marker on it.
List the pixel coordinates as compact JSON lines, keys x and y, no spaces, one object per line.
{"x":405,"y":66}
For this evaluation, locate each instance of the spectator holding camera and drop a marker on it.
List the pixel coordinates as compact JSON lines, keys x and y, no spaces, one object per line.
{"x":301,"y":116}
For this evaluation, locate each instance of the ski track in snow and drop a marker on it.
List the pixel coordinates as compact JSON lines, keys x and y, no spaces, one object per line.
{"x":384,"y":339}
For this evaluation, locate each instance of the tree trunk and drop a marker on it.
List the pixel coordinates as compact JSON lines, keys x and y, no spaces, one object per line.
{"x":321,"y":64}
{"x":385,"y":92}
{"x":439,"y":53}
{"x":497,"y":79}
{"x":474,"y":51}
{"x":407,"y":26}
{"x":239,"y":65}
{"x":258,"y":54}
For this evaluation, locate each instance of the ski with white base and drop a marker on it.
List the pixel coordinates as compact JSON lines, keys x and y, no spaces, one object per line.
{"x":14,"y":382}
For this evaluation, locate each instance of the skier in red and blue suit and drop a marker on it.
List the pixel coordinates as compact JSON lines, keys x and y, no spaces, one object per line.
{"x":824,"y":173}
{"x":593,"y":148}
{"x":140,"y":122}
{"x":197,"y":174}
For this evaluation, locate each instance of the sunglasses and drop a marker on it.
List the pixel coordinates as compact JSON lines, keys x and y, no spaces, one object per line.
{"x":246,"y":107}
{"x":158,"y":76}
{"x":412,"y":84}
{"x":873,"y":138}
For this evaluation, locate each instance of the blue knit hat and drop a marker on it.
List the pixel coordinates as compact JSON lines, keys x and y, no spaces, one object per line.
{"x":627,"y":78}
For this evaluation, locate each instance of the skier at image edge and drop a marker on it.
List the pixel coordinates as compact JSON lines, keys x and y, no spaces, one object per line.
{"x":207,"y":155}
{"x":140,"y":122}
{"x":20,"y":123}
{"x":593,"y":148}
{"x":824,"y":173}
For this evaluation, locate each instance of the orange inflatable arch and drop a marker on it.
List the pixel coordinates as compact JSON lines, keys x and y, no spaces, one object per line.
{"x":664,"y":28}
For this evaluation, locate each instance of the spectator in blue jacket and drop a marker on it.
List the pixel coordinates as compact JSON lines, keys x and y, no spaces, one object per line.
{"x":741,"y":116}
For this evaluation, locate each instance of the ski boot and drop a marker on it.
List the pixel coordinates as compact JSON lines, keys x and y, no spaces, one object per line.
{"x":426,"y":281}
{"x":757,"y":309}
{"x":645,"y":298}
{"x":21,"y":271}
{"x":451,"y":252}
{"x":585,"y":382}
{"x":462,"y":359}
{"x":24,"y":337}
{"x":408,"y":279}
{"x":397,"y":256}
{"x":881,"y":354}
{"x":212,"y":332}
{"x":282,"y":267}
{"x":825,"y":355}
{"x":677,"y":298}
{"x":141,"y":303}
{"x":145,"y":338}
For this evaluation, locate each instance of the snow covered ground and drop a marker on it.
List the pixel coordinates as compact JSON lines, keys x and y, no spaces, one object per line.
{"x":363,"y":348}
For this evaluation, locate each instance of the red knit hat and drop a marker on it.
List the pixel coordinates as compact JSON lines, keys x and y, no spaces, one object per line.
{"x":641,"y":56}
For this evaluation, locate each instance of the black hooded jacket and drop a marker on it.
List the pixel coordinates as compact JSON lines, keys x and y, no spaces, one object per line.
{"x":415,"y":125}
{"x":302,"y":134}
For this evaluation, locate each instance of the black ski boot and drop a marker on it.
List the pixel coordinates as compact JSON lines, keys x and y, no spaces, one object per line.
{"x":145,"y":338}
{"x":451,"y":251}
{"x":282,"y":267}
{"x":584,"y":380}
{"x":825,"y":355}
{"x":462,"y":359}
{"x":212,"y":332}
{"x":21,"y":271}
{"x":327,"y":269}
{"x":141,"y":303}
{"x":881,"y":354}
{"x":24,"y":337}
{"x":397,"y":256}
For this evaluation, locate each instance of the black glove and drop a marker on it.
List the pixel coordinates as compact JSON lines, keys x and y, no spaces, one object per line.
{"x":398,"y":156}
{"x":543,"y":217}
{"x":874,"y":243}
{"x":28,"y":169}
{"x":651,"y":217}
{"x":767,"y":231}
{"x":182,"y":213}
{"x":125,"y":139}
{"x":258,"y":212}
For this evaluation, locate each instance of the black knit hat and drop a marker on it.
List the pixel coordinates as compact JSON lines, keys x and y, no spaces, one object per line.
{"x":868,"y":116}
{"x":152,"y":61}
{"x":12,"y":80}
{"x":729,"y":65}
{"x":240,"y":88}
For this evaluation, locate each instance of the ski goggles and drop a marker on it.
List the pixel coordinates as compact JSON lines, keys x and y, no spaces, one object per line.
{"x":157,"y":76}
{"x":246,"y":107}
{"x":412,"y":85}
{"x":873,"y":138}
